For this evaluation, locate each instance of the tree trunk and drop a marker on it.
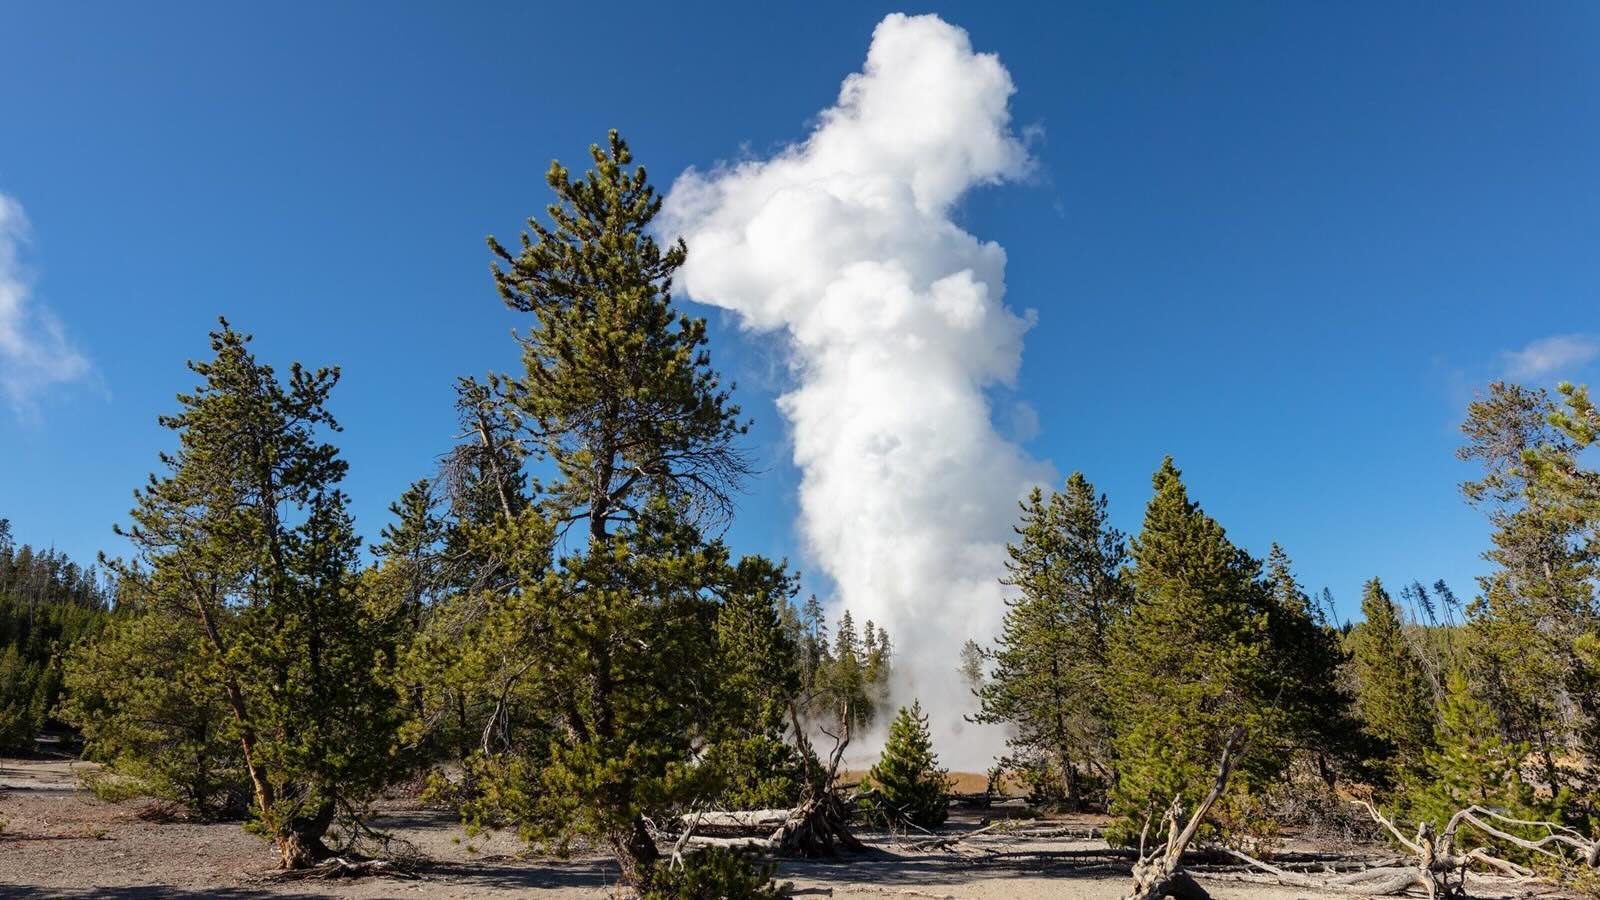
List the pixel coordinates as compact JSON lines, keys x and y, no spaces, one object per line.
{"x":299,"y":841}
{"x":1072,"y":785}
{"x":1155,"y":883}
{"x":636,"y":854}
{"x":815,"y":828}
{"x":1159,"y":873}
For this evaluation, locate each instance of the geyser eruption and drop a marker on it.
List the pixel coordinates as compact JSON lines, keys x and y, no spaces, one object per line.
{"x":895,"y":322}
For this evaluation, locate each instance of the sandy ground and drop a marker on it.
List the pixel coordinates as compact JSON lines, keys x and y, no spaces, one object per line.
{"x":59,"y":841}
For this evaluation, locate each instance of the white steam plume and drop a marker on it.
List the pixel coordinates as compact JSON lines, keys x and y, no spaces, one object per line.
{"x":895,"y":321}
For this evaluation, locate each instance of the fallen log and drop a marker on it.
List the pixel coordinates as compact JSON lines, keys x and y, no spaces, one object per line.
{"x":341,"y":867}
{"x":738,"y":819}
{"x":1438,"y":864}
{"x":945,"y":842}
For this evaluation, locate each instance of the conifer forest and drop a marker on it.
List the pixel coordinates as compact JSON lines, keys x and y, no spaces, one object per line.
{"x":578,"y":660}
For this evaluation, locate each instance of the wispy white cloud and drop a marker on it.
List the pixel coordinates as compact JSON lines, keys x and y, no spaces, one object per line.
{"x":1551,"y":355}
{"x":35,"y":352}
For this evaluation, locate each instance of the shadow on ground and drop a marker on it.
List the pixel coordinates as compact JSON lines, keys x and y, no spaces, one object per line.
{"x":151,"y":892}
{"x":507,"y":875}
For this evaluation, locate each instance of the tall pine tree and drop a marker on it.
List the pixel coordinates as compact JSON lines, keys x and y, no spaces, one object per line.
{"x":597,"y":648}
{"x":1537,"y":603}
{"x":1192,"y":664}
{"x":245,"y":544}
{"x":1394,"y":699}
{"x":1308,"y":657}
{"x":759,"y":685}
{"x":1049,"y":678}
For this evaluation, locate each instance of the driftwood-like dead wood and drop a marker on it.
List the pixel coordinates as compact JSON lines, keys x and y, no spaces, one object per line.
{"x":946,"y":842}
{"x":818,"y":826}
{"x":341,"y":867}
{"x":755,"y":820}
{"x":1159,"y":873}
{"x":1439,"y":862}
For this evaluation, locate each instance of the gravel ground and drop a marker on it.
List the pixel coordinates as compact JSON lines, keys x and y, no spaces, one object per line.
{"x":60,"y":841}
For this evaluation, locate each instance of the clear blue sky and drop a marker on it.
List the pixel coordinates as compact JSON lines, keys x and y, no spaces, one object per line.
{"x":1280,"y":242}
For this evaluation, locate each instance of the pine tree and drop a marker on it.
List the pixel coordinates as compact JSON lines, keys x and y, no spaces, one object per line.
{"x":910,"y":785}
{"x":971,"y":666}
{"x":1392,"y":693}
{"x":813,"y":644}
{"x":877,"y":670}
{"x":587,"y":736}
{"x":1573,"y":489}
{"x":1471,"y":762}
{"x":1192,"y":671}
{"x":410,"y":555}
{"x":716,"y":873}
{"x":845,"y":698}
{"x":760,"y":683}
{"x":246,"y":544}
{"x":618,"y":385}
{"x":1049,"y":679}
{"x":1308,"y":657}
{"x":144,"y":697}
{"x":1537,"y":603}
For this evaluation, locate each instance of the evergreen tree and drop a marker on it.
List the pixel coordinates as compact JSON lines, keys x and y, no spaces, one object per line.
{"x":1192,"y":665}
{"x":971,"y":665}
{"x":48,"y":605}
{"x":1471,"y":762}
{"x":1537,"y":606}
{"x":846,"y":695}
{"x":877,"y":669}
{"x":618,"y":385}
{"x":410,"y":554}
{"x":909,"y":783}
{"x":1049,"y":679}
{"x":144,"y":697}
{"x":813,"y":644}
{"x":598,"y":656}
{"x":245,"y":542}
{"x":1392,"y":693}
{"x":1308,"y":657}
{"x":1574,"y":489}
{"x":760,"y":683}
{"x":849,"y":685}
{"x":716,"y":873}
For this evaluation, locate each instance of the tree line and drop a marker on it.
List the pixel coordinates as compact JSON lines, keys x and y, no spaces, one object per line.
{"x":1128,"y":667}
{"x":48,"y":603}
{"x":552,"y":633}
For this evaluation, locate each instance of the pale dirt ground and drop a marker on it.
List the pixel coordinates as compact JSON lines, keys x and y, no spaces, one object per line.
{"x":59,"y":841}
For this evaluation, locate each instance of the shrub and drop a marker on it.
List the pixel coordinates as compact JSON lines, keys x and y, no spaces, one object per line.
{"x":715,"y":873}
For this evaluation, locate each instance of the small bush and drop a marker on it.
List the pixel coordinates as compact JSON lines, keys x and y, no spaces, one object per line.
{"x":716,"y":873}
{"x":909,"y":785}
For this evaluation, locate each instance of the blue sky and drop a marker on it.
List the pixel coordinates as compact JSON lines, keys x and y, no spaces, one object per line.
{"x":1282,"y":243}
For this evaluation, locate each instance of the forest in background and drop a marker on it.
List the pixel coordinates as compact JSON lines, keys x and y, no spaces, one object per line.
{"x":48,"y":603}
{"x":578,"y":658}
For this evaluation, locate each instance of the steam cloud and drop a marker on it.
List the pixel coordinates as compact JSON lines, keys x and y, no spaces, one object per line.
{"x":894,"y":318}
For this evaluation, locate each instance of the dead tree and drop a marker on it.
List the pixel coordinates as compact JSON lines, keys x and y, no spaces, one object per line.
{"x":1159,"y":873}
{"x":1439,"y":864}
{"x":820,"y":825}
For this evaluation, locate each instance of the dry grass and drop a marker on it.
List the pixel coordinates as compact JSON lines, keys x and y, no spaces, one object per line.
{"x":961,"y":782}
